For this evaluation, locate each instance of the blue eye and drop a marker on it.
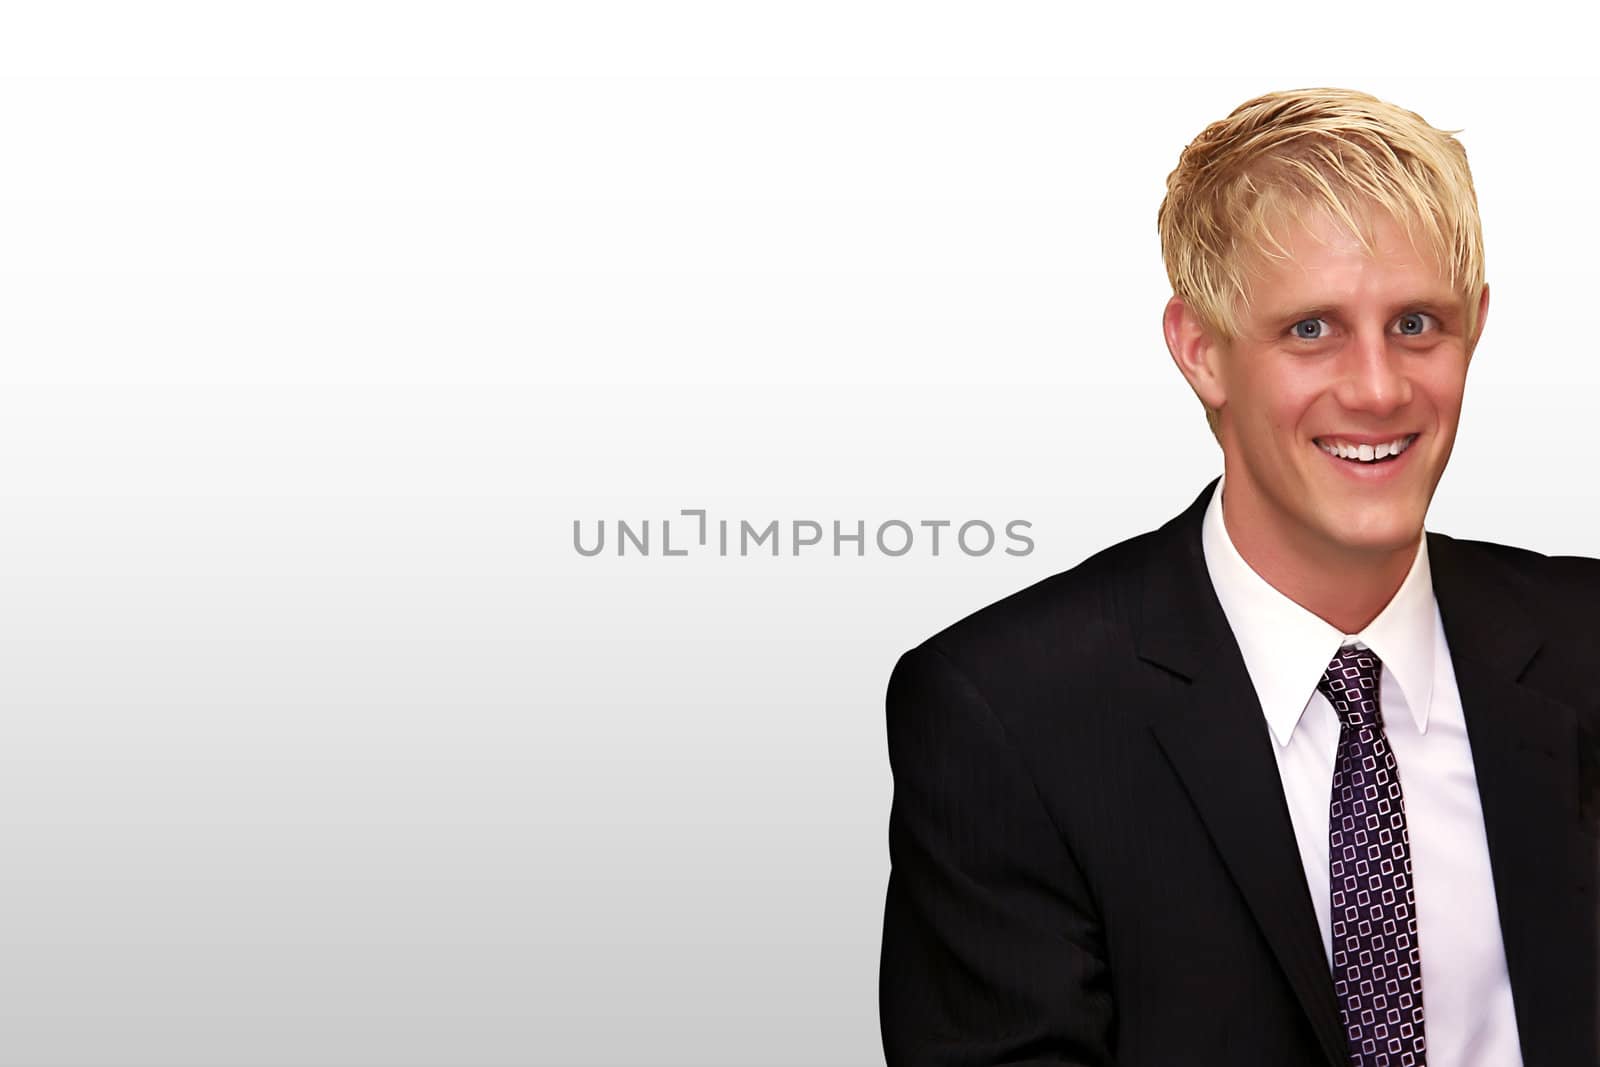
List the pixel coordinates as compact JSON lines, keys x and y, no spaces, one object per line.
{"x":1310,"y":329}
{"x":1413,"y":323}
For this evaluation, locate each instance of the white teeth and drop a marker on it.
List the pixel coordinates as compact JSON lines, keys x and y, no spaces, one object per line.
{"x":1366,"y":453}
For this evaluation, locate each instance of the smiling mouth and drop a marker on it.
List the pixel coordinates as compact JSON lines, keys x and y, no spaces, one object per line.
{"x":1365,"y":453}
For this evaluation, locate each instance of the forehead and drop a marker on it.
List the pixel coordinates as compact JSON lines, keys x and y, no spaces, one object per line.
{"x":1312,"y":257}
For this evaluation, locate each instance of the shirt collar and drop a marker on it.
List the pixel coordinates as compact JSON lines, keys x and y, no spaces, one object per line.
{"x":1286,"y":648}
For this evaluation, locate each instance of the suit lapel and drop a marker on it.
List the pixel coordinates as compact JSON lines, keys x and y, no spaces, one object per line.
{"x":1216,"y":738}
{"x":1525,"y":755}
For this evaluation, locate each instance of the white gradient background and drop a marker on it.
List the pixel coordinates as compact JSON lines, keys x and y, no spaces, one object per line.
{"x":321,"y":323}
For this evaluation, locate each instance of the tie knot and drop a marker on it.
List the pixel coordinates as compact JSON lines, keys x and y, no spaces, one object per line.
{"x":1351,"y":685}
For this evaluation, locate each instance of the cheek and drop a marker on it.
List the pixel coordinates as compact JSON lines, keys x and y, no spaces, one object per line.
{"x":1293,"y":410}
{"x":1272,"y":400}
{"x":1270,"y":421}
{"x":1442,"y":392}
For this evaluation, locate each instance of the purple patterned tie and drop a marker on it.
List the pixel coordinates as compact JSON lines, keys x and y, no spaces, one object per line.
{"x":1377,"y":964}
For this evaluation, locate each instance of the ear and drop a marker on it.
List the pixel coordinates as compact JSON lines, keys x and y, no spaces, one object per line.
{"x":1483,"y":313}
{"x":1195,"y":352}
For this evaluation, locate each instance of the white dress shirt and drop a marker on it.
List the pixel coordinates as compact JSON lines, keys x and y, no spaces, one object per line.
{"x":1466,"y":995}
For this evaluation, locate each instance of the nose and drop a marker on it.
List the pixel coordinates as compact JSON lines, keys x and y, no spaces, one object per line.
{"x":1372,"y":377}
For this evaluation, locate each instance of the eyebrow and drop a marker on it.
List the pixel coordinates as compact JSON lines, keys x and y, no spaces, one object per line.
{"x":1432,"y":305}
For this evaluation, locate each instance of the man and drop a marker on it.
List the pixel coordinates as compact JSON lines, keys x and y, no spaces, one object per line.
{"x":1289,"y":780}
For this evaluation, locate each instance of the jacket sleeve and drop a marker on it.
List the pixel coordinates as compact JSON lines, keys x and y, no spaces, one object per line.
{"x":992,"y":952}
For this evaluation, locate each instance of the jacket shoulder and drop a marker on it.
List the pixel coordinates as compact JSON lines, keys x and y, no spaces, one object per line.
{"x":1547,"y":582}
{"x":1075,"y":613}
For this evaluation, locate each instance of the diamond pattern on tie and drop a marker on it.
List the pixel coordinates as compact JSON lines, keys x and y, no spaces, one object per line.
{"x":1377,"y":962}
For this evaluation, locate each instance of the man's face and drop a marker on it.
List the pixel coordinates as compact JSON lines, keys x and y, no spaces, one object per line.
{"x":1341,"y":396}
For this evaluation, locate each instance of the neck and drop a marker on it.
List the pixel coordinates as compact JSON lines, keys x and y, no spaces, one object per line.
{"x":1343,"y":587}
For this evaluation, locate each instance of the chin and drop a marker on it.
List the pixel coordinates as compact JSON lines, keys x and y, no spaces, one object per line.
{"x":1388,"y":533}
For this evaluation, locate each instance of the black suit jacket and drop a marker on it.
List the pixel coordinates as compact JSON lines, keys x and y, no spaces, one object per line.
{"x":1092,"y":857}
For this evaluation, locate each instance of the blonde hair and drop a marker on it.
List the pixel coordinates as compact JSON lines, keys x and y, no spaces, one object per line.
{"x":1282,"y":154}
